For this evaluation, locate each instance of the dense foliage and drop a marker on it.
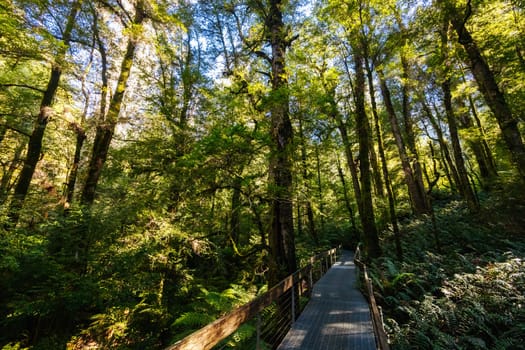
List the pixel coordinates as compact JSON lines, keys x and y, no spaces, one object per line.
{"x":162,"y":162}
{"x":467,"y":291}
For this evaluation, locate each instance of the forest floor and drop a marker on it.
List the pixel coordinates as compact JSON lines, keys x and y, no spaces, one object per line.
{"x":461,"y":284}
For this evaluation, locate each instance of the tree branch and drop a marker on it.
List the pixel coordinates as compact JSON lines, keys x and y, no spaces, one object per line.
{"x":263,"y":55}
{"x":16,"y":130}
{"x":23,"y":86}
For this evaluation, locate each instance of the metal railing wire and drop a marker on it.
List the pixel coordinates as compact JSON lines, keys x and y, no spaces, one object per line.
{"x":264,"y":322}
{"x":377,"y":319}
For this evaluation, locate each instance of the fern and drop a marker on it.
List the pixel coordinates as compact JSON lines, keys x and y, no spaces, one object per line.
{"x":192,"y":320}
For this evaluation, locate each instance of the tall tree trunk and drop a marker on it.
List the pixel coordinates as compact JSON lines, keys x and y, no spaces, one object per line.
{"x":451,"y":171}
{"x":464,"y":183}
{"x":72,"y":178}
{"x":370,"y":236}
{"x":345,"y":196}
{"x":34,"y":146}
{"x":494,"y":97}
{"x":382,"y":157}
{"x":105,"y":130}
{"x":420,"y":203}
{"x":299,"y":218}
{"x":373,"y":158}
{"x":480,"y":144}
{"x":465,"y":188}
{"x":281,"y":239}
{"x":319,"y":185}
{"x":235,"y":211}
{"x":351,"y":162}
{"x":408,"y":123}
{"x":5,"y":182}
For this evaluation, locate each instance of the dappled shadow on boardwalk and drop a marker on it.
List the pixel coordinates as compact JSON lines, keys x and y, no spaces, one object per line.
{"x":337,"y":316}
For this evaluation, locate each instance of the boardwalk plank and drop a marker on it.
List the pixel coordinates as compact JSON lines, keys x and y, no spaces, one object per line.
{"x":337,"y":316}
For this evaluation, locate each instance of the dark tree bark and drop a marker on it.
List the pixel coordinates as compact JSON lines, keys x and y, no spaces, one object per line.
{"x":491,"y":92}
{"x":3,"y":131}
{"x":281,"y":238}
{"x":370,"y":236}
{"x":416,"y":189}
{"x":345,"y":196}
{"x":464,"y":184}
{"x":105,"y":129}
{"x":377,"y":173}
{"x":72,"y":178}
{"x":235,"y":218}
{"x":7,"y":175}
{"x":382,"y":156}
{"x":479,"y":145}
{"x":34,"y":146}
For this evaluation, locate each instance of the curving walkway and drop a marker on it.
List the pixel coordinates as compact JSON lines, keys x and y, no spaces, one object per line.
{"x":337,"y":316}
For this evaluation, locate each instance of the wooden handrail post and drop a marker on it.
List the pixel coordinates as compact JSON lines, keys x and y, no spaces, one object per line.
{"x":310,"y":279}
{"x":293,"y":303}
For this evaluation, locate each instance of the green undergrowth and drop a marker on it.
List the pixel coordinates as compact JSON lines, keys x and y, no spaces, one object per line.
{"x":461,"y":284}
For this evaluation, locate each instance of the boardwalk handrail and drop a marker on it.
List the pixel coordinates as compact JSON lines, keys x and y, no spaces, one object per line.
{"x":211,"y":334}
{"x":377,"y":322}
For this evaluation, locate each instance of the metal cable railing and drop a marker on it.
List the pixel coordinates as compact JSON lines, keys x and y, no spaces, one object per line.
{"x":264,"y":322}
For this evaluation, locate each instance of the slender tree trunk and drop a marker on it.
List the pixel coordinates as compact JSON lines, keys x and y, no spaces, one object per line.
{"x":72,"y":179}
{"x":370,"y":236}
{"x":476,"y":143}
{"x":281,"y":239}
{"x":373,"y":158}
{"x":235,"y":211}
{"x":465,"y":189}
{"x":5,"y":182}
{"x":483,"y":146}
{"x":408,"y":123}
{"x":345,"y":196}
{"x":452,"y":175}
{"x":299,"y":218}
{"x":464,"y":184}
{"x":382,"y":157}
{"x":405,"y":110}
{"x":3,"y":131}
{"x":352,"y":164}
{"x":34,"y":146}
{"x":494,"y":97}
{"x":416,"y":189}
{"x":105,"y":130}
{"x":319,"y":186}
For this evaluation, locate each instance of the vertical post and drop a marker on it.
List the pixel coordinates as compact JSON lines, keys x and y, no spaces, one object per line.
{"x":310,"y":279}
{"x":293,"y":302}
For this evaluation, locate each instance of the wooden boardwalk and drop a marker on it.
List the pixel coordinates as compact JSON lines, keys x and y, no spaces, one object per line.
{"x":337,"y":316}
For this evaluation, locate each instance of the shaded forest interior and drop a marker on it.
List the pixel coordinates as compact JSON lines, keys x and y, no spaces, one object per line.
{"x":162,"y":162}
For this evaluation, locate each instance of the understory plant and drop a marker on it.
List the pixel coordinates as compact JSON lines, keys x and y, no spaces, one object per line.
{"x":465,"y":290}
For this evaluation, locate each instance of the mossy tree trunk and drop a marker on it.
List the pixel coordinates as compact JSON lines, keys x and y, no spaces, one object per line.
{"x":34,"y":146}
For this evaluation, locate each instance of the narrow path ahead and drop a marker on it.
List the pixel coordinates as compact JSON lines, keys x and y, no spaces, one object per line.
{"x":337,"y":316}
